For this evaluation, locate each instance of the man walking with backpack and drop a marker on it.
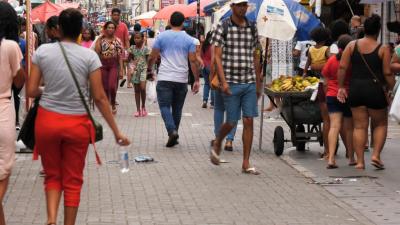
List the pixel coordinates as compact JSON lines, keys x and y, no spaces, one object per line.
{"x":237,"y":58}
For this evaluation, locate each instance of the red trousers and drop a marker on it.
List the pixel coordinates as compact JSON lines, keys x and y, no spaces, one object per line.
{"x":62,"y":142}
{"x":109,"y":76}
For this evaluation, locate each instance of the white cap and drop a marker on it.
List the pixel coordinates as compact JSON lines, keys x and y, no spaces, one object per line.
{"x":239,"y":1}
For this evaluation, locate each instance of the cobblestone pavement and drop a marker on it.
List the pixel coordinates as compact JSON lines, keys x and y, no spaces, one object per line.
{"x":181,"y":187}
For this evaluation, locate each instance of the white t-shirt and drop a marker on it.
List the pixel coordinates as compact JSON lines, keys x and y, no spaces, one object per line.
{"x":303,"y":46}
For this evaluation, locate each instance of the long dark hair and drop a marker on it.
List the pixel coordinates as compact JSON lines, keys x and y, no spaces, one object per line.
{"x":8,"y":22}
{"x":207,"y":42}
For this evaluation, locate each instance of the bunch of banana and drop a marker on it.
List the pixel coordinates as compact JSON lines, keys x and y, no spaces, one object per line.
{"x":287,"y":84}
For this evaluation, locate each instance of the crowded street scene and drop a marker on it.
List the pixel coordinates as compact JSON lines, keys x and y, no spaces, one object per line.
{"x":141,"y":112}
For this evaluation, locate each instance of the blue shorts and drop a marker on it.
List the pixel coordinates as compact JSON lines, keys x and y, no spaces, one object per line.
{"x":334,"y":106}
{"x":243,"y":100}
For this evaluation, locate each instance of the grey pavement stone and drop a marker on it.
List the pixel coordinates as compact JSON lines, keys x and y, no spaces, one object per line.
{"x":181,"y":187}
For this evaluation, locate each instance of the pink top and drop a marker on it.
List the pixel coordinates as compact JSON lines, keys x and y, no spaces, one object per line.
{"x":10,"y":62}
{"x":86,"y":44}
{"x":206,"y":56}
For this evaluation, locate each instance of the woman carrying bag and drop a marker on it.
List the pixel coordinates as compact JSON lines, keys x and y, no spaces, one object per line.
{"x":63,"y":127}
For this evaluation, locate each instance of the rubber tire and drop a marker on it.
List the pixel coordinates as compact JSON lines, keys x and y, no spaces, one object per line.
{"x":301,"y":146}
{"x":279,"y":140}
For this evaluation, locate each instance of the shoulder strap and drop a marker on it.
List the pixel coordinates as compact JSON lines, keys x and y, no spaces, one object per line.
{"x":225,"y":27}
{"x":76,"y":83}
{"x":253,"y":29}
{"x":375,"y":78}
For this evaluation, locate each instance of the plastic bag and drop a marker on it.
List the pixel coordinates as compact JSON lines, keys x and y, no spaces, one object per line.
{"x":151,"y":93}
{"x":395,"y":108}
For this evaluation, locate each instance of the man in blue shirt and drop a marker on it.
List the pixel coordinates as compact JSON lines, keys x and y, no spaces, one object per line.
{"x":175,"y":48}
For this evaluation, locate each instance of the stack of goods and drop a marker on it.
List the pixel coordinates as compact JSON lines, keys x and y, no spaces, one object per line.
{"x":292,"y":84}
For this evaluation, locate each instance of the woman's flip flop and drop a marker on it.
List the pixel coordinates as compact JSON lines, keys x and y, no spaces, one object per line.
{"x":378,"y":165}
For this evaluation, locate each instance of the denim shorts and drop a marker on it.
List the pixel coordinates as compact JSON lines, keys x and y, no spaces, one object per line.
{"x":334,"y":106}
{"x":242,"y":100}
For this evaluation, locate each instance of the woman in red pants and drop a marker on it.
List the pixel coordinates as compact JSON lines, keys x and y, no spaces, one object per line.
{"x":109,"y":48}
{"x":63,"y":129}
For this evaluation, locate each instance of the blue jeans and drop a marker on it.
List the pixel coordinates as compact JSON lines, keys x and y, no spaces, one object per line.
{"x":171,"y":95}
{"x":206,"y":88}
{"x":219,"y":111}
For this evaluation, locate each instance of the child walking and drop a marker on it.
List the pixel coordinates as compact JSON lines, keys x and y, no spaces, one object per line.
{"x":318,"y":55}
{"x":139,"y":54}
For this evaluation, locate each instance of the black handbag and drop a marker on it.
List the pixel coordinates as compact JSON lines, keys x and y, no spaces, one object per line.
{"x":97,"y":126}
{"x":27,"y":132}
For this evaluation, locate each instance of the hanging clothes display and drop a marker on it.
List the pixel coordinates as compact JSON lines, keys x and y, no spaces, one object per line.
{"x":282,"y":58}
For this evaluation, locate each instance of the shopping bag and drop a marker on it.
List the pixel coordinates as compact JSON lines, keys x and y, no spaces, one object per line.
{"x":395,"y":108}
{"x":27,"y":132}
{"x":151,"y":92}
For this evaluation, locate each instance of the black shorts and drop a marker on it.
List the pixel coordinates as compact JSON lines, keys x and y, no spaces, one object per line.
{"x":364,"y":92}
{"x":335,"y":106}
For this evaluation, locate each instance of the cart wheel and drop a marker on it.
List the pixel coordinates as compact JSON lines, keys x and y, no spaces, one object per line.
{"x":279,"y":140}
{"x":301,"y":145}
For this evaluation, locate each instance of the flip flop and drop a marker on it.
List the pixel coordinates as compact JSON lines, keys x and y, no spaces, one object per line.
{"x":214,"y":158}
{"x":251,"y":170}
{"x":122,"y":83}
{"x":352,"y":164}
{"x":378,"y":165}
{"x":331,"y":166}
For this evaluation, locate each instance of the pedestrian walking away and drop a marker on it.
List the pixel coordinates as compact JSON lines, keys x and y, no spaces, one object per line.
{"x":176,"y":49}
{"x":11,"y":73}
{"x":370,"y":70}
{"x":339,"y":113}
{"x":109,"y":48}
{"x":139,"y":55}
{"x":237,"y":58}
{"x":206,"y":57}
{"x":63,"y":130}
{"x":317,"y":57}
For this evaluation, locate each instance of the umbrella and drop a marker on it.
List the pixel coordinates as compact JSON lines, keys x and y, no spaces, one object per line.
{"x":146,"y":15}
{"x":280,"y":19}
{"x":67,"y":5}
{"x":44,"y":11}
{"x":166,"y":12}
{"x":372,"y":1}
{"x":192,"y":8}
{"x":214,"y":6}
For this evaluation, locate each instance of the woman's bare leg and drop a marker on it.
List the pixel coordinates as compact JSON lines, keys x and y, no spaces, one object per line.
{"x":3,"y":190}
{"x":360,"y":133}
{"x":53,"y":201}
{"x":348,"y":140}
{"x":379,"y":119}
{"x":333,"y":134}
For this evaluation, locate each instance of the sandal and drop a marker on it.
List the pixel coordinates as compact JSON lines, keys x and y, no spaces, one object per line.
{"x":137,"y":114}
{"x":251,"y":170}
{"x":331,"y":166}
{"x":212,"y":143}
{"x":129,"y":85}
{"x":122,"y":83}
{"x":144,"y":112}
{"x":378,"y":165}
{"x":228,"y":146}
{"x":214,"y":158}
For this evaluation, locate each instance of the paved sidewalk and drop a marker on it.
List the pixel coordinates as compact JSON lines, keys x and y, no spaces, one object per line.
{"x":182,"y":186}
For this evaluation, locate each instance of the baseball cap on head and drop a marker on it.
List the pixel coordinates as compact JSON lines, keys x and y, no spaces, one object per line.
{"x":234,"y":2}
